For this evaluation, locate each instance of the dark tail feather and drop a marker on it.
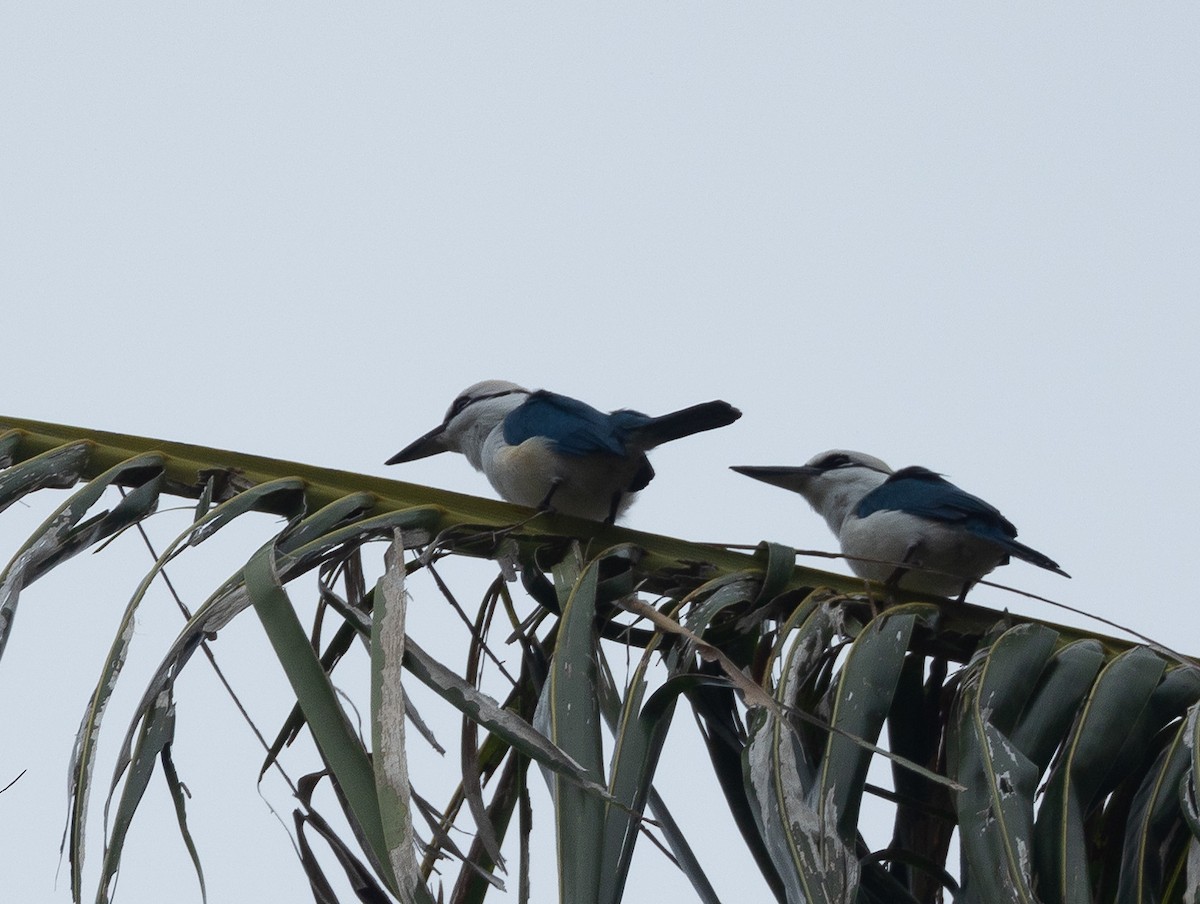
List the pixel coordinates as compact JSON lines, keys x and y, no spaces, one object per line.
{"x":678,"y":424}
{"x":1032,"y":556}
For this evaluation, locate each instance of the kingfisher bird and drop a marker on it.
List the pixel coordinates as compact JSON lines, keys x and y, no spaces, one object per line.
{"x":552,"y":452}
{"x":910,"y":525}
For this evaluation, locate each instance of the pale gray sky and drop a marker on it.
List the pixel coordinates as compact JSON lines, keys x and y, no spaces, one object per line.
{"x":945,"y":236}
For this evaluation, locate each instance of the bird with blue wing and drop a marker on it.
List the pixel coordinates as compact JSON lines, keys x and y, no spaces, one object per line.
{"x":910,"y":527}
{"x":549,"y":451}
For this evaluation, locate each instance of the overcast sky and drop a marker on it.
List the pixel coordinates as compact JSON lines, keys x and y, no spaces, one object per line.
{"x":949,"y":237}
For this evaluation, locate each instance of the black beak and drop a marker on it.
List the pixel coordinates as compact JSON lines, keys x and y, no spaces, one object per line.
{"x":430,"y":444}
{"x":790,"y":478}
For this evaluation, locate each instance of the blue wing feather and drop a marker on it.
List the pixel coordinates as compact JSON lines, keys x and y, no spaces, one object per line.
{"x":925,"y":494}
{"x":574,"y":427}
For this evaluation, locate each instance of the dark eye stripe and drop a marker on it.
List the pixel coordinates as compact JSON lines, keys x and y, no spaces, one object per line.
{"x":459,"y":404}
{"x":463,"y":402}
{"x":837,"y":460}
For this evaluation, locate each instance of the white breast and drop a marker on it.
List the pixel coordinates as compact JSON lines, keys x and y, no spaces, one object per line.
{"x":522,"y":474}
{"x":525,"y":473}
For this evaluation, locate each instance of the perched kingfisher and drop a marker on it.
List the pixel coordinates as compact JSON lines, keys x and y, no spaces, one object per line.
{"x":911,"y":526}
{"x":552,"y":452}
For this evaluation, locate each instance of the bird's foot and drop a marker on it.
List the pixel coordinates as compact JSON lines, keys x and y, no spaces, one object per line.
{"x":544,"y":505}
{"x":891,"y":586}
{"x":614,"y":507}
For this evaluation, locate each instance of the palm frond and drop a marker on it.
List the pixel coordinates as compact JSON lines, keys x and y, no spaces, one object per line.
{"x":792,"y":674}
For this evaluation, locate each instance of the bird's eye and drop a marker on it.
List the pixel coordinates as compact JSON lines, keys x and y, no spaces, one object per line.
{"x":836,"y":460}
{"x":459,"y":404}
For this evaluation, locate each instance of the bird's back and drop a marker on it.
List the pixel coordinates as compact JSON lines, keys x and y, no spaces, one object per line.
{"x":926,"y":494}
{"x":572,"y":427}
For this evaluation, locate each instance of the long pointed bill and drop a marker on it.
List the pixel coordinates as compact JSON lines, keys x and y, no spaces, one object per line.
{"x":431,"y":443}
{"x":790,"y":478}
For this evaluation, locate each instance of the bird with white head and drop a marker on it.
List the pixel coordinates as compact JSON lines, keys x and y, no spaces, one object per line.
{"x":910,"y":528}
{"x":552,"y":452}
